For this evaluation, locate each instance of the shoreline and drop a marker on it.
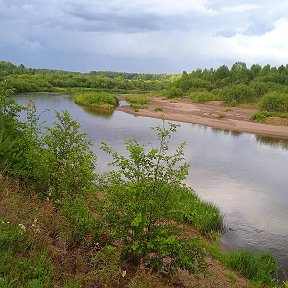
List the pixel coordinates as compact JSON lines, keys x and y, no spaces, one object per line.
{"x":211,"y":115}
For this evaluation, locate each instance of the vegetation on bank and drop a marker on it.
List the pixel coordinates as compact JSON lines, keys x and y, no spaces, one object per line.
{"x":264,"y":86}
{"x":117,"y":229}
{"x":97,"y":100}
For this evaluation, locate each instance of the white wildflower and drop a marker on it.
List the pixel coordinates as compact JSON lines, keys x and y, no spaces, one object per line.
{"x":22,"y":227}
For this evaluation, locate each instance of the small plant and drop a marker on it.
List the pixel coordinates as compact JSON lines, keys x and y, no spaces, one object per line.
{"x":136,"y":108}
{"x":221,"y":115}
{"x":158,"y":109}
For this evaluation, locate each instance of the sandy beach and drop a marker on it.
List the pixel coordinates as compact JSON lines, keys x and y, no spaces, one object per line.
{"x":213,"y":115}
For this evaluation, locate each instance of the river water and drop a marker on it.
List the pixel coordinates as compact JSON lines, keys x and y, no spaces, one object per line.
{"x":245,"y":175}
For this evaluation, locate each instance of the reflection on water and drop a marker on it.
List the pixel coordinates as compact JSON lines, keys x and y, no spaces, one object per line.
{"x":226,"y":132}
{"x":99,"y":112}
{"x":273,"y":142}
{"x":245,"y":175}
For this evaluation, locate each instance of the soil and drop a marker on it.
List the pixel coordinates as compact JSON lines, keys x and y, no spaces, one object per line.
{"x":214,"y":114}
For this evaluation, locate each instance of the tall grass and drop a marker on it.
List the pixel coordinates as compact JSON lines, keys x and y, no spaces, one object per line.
{"x":259,"y":267}
{"x":204,"y":216}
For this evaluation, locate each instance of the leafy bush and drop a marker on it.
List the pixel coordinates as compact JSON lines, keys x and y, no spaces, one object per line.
{"x":141,"y":196}
{"x":274,"y":102}
{"x":173,"y":92}
{"x":236,"y":94}
{"x":71,"y":162}
{"x":202,"y":97}
{"x":82,"y":223}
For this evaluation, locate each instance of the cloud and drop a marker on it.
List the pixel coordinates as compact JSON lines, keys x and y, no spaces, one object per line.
{"x":156,"y":35}
{"x":240,"y":8}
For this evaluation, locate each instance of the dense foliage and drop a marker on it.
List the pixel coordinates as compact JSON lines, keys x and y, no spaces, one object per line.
{"x":236,"y":85}
{"x":24,"y":79}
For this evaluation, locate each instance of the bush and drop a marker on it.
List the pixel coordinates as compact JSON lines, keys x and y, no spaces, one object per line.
{"x":71,"y":162}
{"x":173,"y":92}
{"x":237,"y":94}
{"x":140,"y":198}
{"x":274,"y":102}
{"x":202,"y":97}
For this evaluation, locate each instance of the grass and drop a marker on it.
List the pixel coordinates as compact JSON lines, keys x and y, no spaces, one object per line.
{"x":263,"y":115}
{"x":97,"y":100}
{"x":136,"y":107}
{"x":204,"y":216}
{"x":158,"y":109}
{"x":261,"y":268}
{"x":137,"y":99}
{"x":39,"y":246}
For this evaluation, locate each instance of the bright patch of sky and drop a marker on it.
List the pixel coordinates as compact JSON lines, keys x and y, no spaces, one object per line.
{"x":157,"y":36}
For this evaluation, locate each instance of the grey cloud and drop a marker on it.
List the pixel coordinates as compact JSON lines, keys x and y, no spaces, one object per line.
{"x":259,"y":28}
{"x":120,"y":35}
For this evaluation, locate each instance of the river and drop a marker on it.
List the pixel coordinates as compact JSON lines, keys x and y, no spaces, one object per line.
{"x":245,"y":175}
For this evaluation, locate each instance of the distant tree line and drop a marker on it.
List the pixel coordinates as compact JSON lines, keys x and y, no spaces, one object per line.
{"x":236,"y":85}
{"x":23,"y":79}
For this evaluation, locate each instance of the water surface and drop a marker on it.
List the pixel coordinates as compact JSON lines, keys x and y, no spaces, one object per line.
{"x":244,"y":174}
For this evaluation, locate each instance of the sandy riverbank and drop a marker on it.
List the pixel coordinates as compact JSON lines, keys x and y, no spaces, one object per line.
{"x":212,"y":115}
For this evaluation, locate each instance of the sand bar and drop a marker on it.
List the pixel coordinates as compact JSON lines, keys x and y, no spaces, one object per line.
{"x":212,"y":115}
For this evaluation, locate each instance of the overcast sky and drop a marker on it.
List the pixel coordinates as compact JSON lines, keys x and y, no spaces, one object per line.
{"x":157,"y":36}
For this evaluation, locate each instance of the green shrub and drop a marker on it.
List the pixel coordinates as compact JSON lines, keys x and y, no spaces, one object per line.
{"x":71,"y":162}
{"x":82,"y":223}
{"x":237,"y":94}
{"x":202,"y":97}
{"x":173,"y":92}
{"x":140,"y":197}
{"x":274,"y":102}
